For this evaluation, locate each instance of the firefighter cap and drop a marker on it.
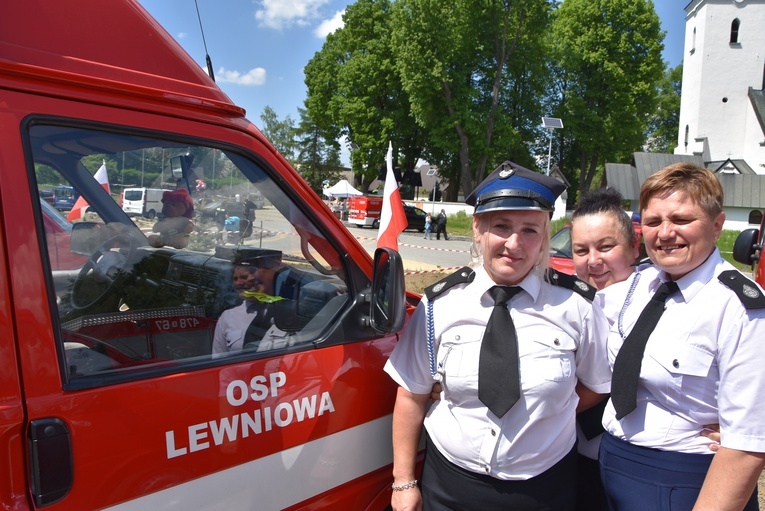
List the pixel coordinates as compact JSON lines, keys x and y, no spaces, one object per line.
{"x":513,"y":187}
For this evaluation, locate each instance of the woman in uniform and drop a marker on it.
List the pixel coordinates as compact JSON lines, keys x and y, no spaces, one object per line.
{"x":509,"y":348}
{"x":686,"y":350}
{"x":604,"y":247}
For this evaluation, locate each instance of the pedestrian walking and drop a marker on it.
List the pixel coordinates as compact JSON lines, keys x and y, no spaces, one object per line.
{"x":441,"y":225}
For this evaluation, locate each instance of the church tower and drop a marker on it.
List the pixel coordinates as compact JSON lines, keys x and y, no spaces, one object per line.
{"x":722,"y":109}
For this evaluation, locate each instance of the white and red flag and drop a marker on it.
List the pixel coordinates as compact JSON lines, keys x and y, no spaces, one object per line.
{"x":78,"y":210}
{"x":392,"y":218}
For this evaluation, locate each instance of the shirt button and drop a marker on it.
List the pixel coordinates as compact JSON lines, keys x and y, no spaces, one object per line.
{"x":675,"y":363}
{"x":556,"y":342}
{"x":493,"y":432}
{"x":487,"y":469}
{"x":456,"y":337}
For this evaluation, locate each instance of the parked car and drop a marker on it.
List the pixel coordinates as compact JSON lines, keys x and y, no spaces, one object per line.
{"x":748,"y":250}
{"x":47,"y":195}
{"x":415,"y":218}
{"x":58,"y":233}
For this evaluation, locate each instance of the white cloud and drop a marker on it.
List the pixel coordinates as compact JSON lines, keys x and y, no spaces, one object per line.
{"x":326,"y":27}
{"x":255,"y":76}
{"x":278,"y":14}
{"x":182,"y":35}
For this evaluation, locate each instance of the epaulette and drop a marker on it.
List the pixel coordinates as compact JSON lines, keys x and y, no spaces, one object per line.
{"x":581,"y":287}
{"x":462,"y":276}
{"x":746,"y":290}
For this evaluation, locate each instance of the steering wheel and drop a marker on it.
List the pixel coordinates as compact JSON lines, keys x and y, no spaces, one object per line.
{"x":101,"y":271}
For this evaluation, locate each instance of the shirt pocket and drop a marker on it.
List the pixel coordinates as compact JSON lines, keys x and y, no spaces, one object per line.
{"x":684,"y":360}
{"x":233,"y":336}
{"x":685,"y":371}
{"x":549,"y":358}
{"x":457,"y":362}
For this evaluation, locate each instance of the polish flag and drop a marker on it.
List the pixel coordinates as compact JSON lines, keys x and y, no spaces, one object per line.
{"x":78,"y":210}
{"x":392,"y":218}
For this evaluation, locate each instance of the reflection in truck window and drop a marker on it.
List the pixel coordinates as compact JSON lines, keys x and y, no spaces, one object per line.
{"x":129,"y":306}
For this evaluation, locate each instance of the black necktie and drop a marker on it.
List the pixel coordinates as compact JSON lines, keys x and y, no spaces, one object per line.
{"x":630,"y":357}
{"x":499,"y":381}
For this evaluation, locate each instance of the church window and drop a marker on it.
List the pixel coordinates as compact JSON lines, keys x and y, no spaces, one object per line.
{"x":734,"y":26}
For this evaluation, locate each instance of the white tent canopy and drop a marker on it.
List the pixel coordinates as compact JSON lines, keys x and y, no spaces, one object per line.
{"x":342,"y":190}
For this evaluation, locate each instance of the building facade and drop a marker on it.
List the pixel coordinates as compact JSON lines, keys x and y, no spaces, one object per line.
{"x":722,"y":109}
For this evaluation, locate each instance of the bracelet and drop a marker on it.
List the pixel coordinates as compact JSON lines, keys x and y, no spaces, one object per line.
{"x":410,"y":484}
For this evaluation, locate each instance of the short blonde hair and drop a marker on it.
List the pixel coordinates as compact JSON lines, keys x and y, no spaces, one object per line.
{"x":698,"y":183}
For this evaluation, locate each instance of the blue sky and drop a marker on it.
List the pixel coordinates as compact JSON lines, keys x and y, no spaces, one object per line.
{"x":260,"y":47}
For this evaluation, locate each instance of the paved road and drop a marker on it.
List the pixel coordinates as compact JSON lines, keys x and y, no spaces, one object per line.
{"x":420,"y":254}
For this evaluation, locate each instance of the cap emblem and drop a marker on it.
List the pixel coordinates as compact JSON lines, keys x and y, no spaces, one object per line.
{"x":505,"y":173}
{"x":438,"y":287}
{"x":581,"y":285}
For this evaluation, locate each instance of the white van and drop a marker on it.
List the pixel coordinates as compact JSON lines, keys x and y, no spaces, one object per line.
{"x":142,"y":201}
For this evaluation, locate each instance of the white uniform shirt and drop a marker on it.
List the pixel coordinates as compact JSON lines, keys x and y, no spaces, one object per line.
{"x":703,"y":364}
{"x":560,"y":337}
{"x":231,"y":328}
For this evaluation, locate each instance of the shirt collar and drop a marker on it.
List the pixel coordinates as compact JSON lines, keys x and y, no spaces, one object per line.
{"x":532,"y":283}
{"x":693,"y":282}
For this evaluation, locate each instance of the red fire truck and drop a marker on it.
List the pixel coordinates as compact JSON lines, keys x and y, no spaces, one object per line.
{"x":364,"y":210}
{"x":112,"y":393}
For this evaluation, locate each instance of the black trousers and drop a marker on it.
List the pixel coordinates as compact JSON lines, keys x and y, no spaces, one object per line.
{"x":446,"y":486}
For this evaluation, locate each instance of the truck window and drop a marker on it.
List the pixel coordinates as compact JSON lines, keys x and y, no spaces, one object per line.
{"x":180,"y":291}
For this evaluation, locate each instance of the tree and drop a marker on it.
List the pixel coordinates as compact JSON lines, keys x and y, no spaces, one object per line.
{"x":475,"y":74}
{"x":664,"y":123}
{"x":354,"y":90}
{"x":281,"y":134}
{"x":607,"y":55}
{"x":317,"y":160}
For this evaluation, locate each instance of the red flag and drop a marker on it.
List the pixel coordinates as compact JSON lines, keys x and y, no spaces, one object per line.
{"x":78,"y":210}
{"x":392,"y":218}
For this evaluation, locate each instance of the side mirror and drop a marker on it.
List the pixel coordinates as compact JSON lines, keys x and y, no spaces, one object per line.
{"x":388,"y":300}
{"x":746,"y":245}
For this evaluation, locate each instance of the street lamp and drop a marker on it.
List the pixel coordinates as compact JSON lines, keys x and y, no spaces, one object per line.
{"x":551,"y":123}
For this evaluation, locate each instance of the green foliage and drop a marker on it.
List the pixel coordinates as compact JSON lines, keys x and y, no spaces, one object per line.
{"x":282,"y":134}
{"x":607,"y":56}
{"x":725,"y":245}
{"x":664,"y":123}
{"x":475,"y":75}
{"x":318,"y":160}
{"x":354,"y":90}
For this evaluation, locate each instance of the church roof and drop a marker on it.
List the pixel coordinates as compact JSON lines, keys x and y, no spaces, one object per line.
{"x":742,"y":190}
{"x":757,"y":97}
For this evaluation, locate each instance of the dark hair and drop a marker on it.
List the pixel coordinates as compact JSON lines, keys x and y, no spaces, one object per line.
{"x":606,"y":200}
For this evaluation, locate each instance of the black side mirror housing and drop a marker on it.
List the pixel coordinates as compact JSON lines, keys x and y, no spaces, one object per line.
{"x":388,"y":298}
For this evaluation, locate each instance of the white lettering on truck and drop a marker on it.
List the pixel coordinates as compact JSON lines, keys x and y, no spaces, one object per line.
{"x":229,"y":429}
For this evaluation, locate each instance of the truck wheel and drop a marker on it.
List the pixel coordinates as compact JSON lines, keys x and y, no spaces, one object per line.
{"x":376,"y":224}
{"x":151,"y":214}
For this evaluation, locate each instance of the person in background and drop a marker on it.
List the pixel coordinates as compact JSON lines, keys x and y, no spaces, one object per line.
{"x":233,"y":323}
{"x":510,"y":446}
{"x":694,"y":357}
{"x":428,"y":223}
{"x":441,"y":225}
{"x":604,"y":247}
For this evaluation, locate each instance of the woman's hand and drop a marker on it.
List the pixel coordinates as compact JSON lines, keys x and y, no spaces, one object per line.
{"x":407,"y":500}
{"x":435,"y":392}
{"x":712,"y":432}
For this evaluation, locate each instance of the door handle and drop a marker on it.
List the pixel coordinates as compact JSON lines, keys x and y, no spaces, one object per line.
{"x":50,"y":455}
